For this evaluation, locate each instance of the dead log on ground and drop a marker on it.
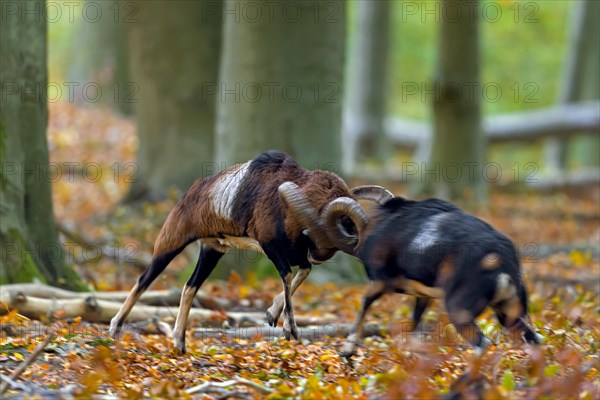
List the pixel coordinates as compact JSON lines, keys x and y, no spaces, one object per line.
{"x":102,"y":311}
{"x":311,"y":333}
{"x":168,"y":297}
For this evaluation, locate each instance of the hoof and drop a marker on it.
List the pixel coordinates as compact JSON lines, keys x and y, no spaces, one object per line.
{"x":289,"y":333}
{"x":347,"y":353}
{"x":180,"y":348}
{"x":179,"y":344}
{"x":480,"y":350}
{"x":271,"y":319}
{"x":114,"y":330}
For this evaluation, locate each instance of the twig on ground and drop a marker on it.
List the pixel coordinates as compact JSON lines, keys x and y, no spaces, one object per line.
{"x":40,"y":347}
{"x":14,"y":384}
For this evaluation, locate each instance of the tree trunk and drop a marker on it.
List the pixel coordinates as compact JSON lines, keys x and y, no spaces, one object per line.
{"x":580,"y":82}
{"x":28,"y":236}
{"x":366,"y":103}
{"x":174,"y":56}
{"x":99,"y":55}
{"x":281,"y":81}
{"x":458,"y":152}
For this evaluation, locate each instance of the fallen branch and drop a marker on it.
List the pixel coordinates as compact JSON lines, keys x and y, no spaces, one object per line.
{"x":102,"y":311}
{"x":569,"y":180}
{"x":17,"y":372}
{"x":116,"y":254}
{"x":94,"y":310}
{"x":210,"y":386}
{"x":312,"y":333}
{"x":169,"y":297}
{"x":558,"y":121}
{"x":65,"y":392}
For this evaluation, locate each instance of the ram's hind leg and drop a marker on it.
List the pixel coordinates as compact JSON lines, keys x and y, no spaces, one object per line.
{"x":156,"y":267}
{"x":207,"y":262}
{"x":274,"y":312}
{"x":420,"y":307}
{"x":283,"y":267}
{"x":377,"y":289}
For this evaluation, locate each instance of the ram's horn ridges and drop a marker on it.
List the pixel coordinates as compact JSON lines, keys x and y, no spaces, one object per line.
{"x":308,"y":217}
{"x":375,"y":193}
{"x":337,"y":233}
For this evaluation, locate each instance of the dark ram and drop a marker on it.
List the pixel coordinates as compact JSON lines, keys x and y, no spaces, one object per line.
{"x":431,"y":249}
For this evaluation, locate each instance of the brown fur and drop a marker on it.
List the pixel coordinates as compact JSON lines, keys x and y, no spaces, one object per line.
{"x":491,"y":261}
{"x":241,"y":207}
{"x":194,"y":216}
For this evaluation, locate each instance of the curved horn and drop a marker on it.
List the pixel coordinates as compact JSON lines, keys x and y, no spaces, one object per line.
{"x":337,"y":233}
{"x":299,"y":205}
{"x":374,"y":193}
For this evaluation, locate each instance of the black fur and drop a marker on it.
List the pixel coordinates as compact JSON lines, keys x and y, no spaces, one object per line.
{"x":412,"y":240}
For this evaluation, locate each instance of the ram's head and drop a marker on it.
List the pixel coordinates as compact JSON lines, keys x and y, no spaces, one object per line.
{"x":339,"y":224}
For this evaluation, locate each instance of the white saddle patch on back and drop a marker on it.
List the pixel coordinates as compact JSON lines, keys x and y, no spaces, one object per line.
{"x":429,"y":235}
{"x":225,"y":189}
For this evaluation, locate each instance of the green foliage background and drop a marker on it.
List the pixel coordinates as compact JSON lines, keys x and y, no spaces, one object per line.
{"x":517,"y":48}
{"x":521,"y":46}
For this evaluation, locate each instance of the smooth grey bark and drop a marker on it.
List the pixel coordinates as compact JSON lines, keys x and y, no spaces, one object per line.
{"x":174,"y":56}
{"x":281,"y":83}
{"x":458,"y":150}
{"x":367,"y":87}
{"x":99,"y":54}
{"x":580,"y":82}
{"x":28,"y":236}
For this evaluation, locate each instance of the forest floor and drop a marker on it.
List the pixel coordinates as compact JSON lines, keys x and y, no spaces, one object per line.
{"x":556,"y":233}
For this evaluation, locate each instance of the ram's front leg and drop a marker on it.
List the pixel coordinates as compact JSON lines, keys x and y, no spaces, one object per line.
{"x":462,"y":314}
{"x":274,"y":312}
{"x":283,"y":267}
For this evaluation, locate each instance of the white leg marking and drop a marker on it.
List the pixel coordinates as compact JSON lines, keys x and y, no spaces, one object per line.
{"x":187,"y":298}
{"x":278,"y":302}
{"x":132,"y":298}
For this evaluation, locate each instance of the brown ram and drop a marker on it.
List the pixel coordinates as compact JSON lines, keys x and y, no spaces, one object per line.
{"x":248,"y":206}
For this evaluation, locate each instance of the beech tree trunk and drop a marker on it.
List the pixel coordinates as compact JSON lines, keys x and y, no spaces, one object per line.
{"x":99,"y":54}
{"x":28,"y":236}
{"x":367,"y":87}
{"x":174,"y":57}
{"x":458,"y":151}
{"x":281,"y":81}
